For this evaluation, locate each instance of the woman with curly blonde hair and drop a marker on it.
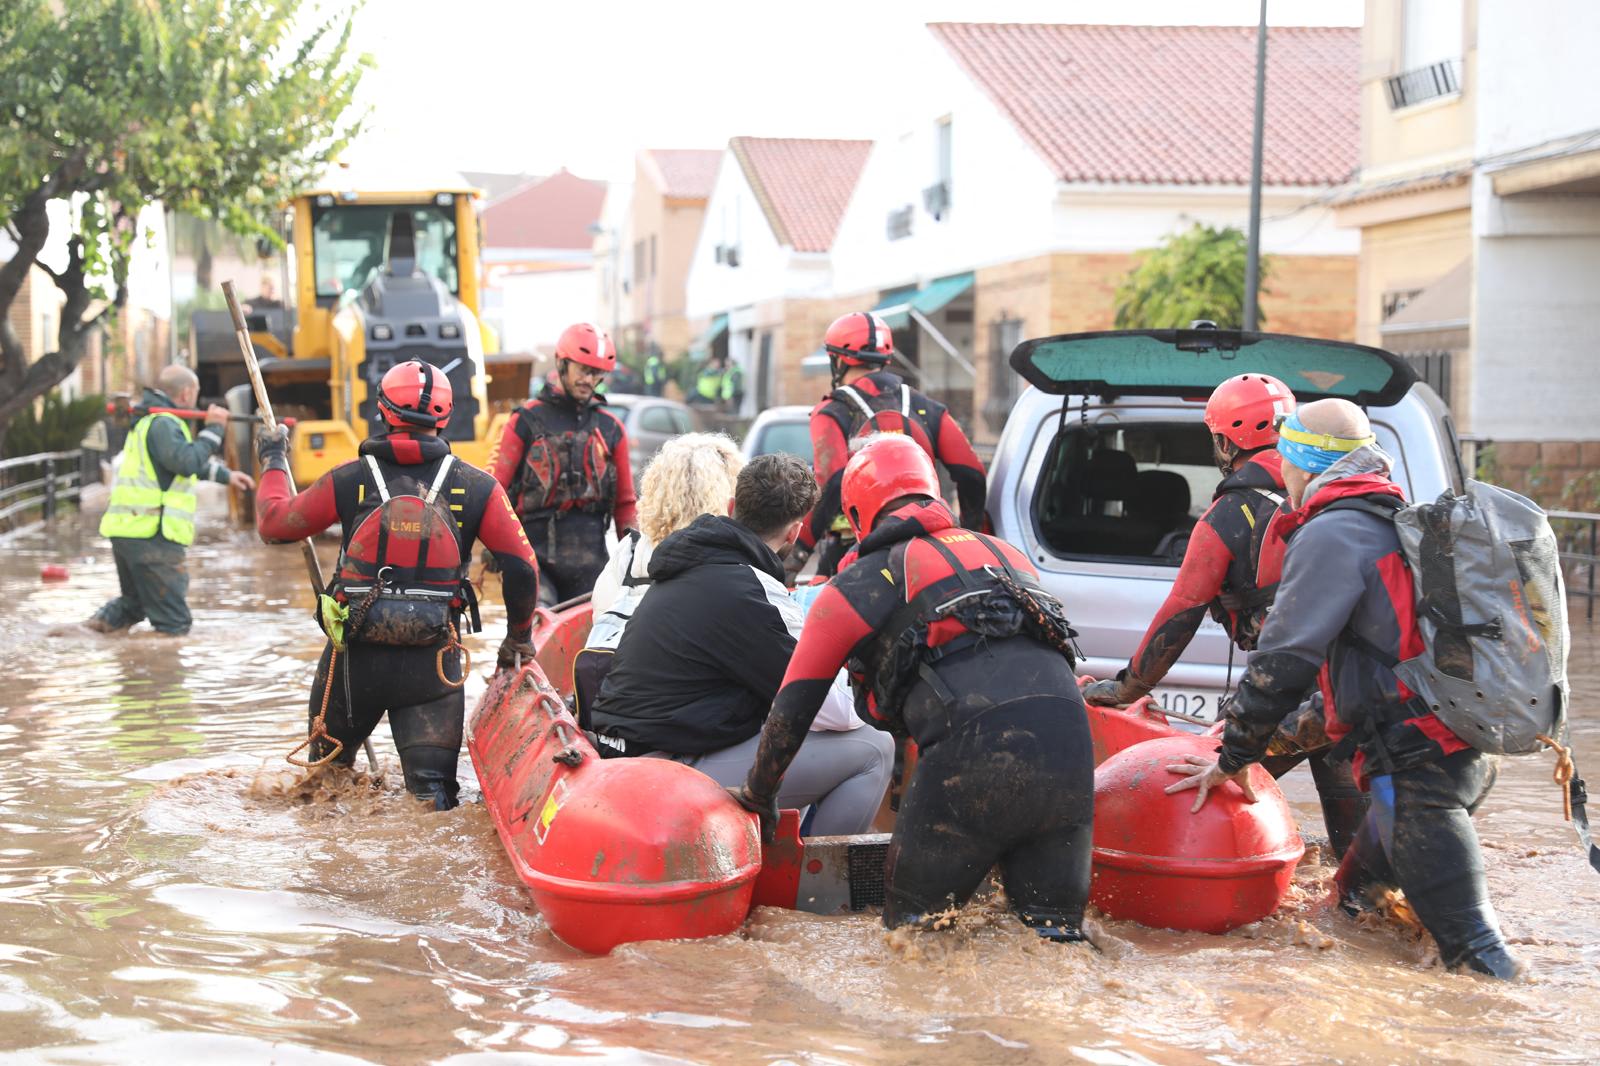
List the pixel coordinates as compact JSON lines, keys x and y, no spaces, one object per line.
{"x":693,"y":474}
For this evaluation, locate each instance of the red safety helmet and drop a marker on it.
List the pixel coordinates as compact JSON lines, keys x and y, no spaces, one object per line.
{"x":586,"y":343}
{"x":1246,"y":407}
{"x":888,"y":466}
{"x":414,"y":393}
{"x":860,"y":338}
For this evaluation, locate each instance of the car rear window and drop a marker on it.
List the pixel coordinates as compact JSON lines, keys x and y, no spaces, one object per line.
{"x":1129,"y":491}
{"x":793,"y":438}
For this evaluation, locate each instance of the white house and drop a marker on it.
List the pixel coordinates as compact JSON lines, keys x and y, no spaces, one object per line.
{"x":1029,"y":163}
{"x":762,"y":272}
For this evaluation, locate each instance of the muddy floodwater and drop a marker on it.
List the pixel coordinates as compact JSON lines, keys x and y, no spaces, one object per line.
{"x":168,"y":894}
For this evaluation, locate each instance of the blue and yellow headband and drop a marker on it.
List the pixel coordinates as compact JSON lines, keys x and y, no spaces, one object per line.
{"x":1314,"y":452}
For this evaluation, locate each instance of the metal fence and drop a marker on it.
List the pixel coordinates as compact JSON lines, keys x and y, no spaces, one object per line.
{"x":1578,"y":534}
{"x":39,"y":483}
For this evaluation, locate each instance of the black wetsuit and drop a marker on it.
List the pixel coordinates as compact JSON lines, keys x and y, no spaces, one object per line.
{"x":1005,"y":771}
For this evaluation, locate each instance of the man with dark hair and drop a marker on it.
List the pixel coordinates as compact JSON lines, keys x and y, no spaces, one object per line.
{"x":704,"y":653}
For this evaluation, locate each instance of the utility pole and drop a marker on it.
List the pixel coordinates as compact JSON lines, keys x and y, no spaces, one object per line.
{"x":1252,"y":262}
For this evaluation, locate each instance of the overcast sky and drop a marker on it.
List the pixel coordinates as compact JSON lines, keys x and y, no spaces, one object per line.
{"x":531,"y":85}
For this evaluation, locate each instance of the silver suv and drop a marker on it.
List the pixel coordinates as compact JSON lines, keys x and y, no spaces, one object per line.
{"x":1104,"y":466}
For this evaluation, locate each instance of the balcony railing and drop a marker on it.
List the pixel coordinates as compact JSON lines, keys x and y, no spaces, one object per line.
{"x":1425,"y":83}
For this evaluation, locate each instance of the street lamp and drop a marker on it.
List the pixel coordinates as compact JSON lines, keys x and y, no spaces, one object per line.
{"x":1252,"y":261}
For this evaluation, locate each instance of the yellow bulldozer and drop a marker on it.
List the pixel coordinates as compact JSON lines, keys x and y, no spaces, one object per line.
{"x":376,"y":278}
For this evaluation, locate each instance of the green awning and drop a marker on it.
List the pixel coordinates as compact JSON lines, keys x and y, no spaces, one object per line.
{"x":719,"y":326}
{"x":896,"y":306}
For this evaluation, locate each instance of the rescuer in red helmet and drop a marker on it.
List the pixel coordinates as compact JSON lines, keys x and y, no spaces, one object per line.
{"x":564,"y":461}
{"x":396,"y":608}
{"x":1219,"y":576}
{"x":869,"y":398}
{"x":950,"y":641}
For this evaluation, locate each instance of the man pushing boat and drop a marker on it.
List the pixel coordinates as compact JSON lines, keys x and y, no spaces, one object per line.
{"x":949,"y":641}
{"x":394,"y":612}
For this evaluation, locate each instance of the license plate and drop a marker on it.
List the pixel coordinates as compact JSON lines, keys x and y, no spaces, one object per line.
{"x":1190,"y":702}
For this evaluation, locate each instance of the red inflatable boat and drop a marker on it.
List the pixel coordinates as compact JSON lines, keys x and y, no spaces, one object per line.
{"x":640,"y":849}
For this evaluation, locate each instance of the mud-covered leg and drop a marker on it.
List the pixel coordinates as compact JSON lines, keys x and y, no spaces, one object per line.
{"x":125,"y":610}
{"x":350,"y":729}
{"x":428,"y":736}
{"x":934,"y":862}
{"x":1344,"y":805}
{"x":1047,"y":880}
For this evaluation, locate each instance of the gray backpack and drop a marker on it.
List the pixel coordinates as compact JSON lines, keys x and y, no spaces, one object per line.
{"x":1492,"y":609}
{"x":1493,"y":613}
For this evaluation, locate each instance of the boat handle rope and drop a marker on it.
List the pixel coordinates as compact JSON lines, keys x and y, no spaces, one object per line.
{"x":319,"y":725}
{"x":453,"y":644}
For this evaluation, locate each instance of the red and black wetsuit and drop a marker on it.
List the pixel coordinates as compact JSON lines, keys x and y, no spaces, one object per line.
{"x":1005,"y":771}
{"x":841,"y":417}
{"x":425,"y":713}
{"x":1219,"y":563}
{"x":566,"y":468}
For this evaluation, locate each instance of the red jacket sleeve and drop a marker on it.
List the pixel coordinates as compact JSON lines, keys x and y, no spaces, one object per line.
{"x":507,"y":454}
{"x":502,"y":533}
{"x":1199,"y":581}
{"x":966,"y":470}
{"x":830,"y":451}
{"x":833,"y":628}
{"x":282,"y":516}
{"x":626,"y":511}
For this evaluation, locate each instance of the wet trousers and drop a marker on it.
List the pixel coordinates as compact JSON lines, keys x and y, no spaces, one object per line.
{"x":571,"y":549}
{"x":1344,"y":805}
{"x":154,"y":583}
{"x":1014,"y":787}
{"x":425,"y":714}
{"x":1419,"y":838}
{"x":845,"y":774}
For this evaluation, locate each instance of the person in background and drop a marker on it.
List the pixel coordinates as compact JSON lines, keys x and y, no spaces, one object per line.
{"x":703,"y":655}
{"x":563,"y":460}
{"x":1344,"y":613}
{"x":708,"y":383}
{"x":733,"y":387}
{"x":949,"y":641}
{"x":150,"y":515}
{"x":868,"y":398}
{"x":655,"y":371}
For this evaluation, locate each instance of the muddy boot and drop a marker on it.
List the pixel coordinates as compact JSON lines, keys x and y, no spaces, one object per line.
{"x":1493,"y":960}
{"x":100,"y":625}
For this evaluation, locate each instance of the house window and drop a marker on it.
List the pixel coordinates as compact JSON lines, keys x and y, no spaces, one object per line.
{"x":1430,"y":52}
{"x":1005,"y":333}
{"x":652,"y":255}
{"x":638,"y":261}
{"x":1395,"y":301}
{"x":936,"y":197}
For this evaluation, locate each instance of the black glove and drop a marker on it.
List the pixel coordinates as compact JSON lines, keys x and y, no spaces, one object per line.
{"x":511,"y":648}
{"x":766,"y":810}
{"x":272,"y":448}
{"x":1115,"y":692}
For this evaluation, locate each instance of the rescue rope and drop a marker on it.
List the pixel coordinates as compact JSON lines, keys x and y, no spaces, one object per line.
{"x":453,"y":644}
{"x":319,"y":726}
{"x":1565,"y":771}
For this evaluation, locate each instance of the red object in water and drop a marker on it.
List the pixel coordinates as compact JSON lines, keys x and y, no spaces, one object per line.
{"x":1224,"y":866}
{"x":52,"y":572}
{"x":612,"y":851}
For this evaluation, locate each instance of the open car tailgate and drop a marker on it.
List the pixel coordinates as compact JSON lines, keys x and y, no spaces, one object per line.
{"x":1191,"y":362}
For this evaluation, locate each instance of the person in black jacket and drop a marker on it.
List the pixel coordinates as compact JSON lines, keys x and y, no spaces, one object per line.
{"x":704,"y":653}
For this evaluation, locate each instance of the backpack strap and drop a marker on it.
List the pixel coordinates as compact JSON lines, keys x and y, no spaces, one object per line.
{"x":905,"y":402}
{"x":377,"y":475}
{"x":852,"y":395}
{"x":438,"y":479}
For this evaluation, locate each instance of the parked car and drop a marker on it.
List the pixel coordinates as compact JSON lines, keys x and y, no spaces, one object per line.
{"x":649,"y":420}
{"x":780,"y":429}
{"x":1073,"y":481}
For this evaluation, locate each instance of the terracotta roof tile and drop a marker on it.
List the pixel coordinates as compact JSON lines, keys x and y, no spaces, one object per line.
{"x":553,"y":213}
{"x":803,"y":185}
{"x":686,"y":173}
{"x":1171,"y":104}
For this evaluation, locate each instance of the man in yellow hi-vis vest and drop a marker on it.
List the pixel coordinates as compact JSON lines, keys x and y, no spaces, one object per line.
{"x":149,"y":518}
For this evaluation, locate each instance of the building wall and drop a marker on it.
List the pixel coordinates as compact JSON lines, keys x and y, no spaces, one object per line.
{"x":1540,"y":80}
{"x":1426,"y":135}
{"x":1404,"y":255}
{"x":538,"y":305}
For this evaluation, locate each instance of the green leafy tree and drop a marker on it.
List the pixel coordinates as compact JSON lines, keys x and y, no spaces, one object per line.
{"x":1198,"y":273}
{"x":220,"y":109}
